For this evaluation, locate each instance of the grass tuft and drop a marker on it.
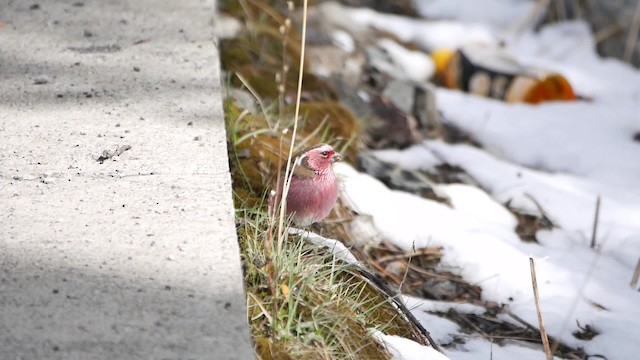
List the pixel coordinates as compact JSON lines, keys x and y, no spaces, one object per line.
{"x":303,"y":303}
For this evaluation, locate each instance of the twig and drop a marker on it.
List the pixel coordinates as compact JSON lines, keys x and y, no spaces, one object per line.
{"x":288,"y":173}
{"x":384,"y":271}
{"x":258,"y":99}
{"x":543,"y":331}
{"x":532,"y":18}
{"x":491,"y":353}
{"x":561,"y":10}
{"x":394,"y":298}
{"x":543,"y":214}
{"x":522,"y":321}
{"x":607,"y":32}
{"x":594,"y":231}
{"x":454,"y":313}
{"x":406,"y":272}
{"x":419,"y":252}
{"x":632,"y":39}
{"x":575,"y":6}
{"x":636,"y":275}
{"x":444,"y":276}
{"x":314,"y":132}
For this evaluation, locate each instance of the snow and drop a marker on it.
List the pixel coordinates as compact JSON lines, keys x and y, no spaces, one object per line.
{"x":403,"y":63}
{"x":343,"y":40}
{"x":405,"y":349}
{"x":619,"y":220}
{"x":428,"y":34}
{"x":476,"y":348}
{"x":568,"y":137}
{"x":413,"y":158}
{"x":492,"y":13}
{"x":555,"y":157}
{"x":336,"y":247}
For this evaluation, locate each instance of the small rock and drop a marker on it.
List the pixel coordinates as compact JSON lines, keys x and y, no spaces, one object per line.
{"x":41,"y":79}
{"x":136,"y":69}
{"x":393,"y":127}
{"x":400,"y":93}
{"x":367,"y":235}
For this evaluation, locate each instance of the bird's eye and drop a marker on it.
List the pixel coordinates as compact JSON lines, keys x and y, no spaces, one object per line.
{"x":324,"y":153}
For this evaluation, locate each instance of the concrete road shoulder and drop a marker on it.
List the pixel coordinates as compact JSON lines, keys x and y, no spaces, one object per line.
{"x":117,"y":236}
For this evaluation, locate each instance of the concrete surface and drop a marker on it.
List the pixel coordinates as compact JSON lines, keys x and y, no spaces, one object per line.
{"x":135,"y":257}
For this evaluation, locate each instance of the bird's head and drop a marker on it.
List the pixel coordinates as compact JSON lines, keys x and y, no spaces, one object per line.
{"x":318,"y":158}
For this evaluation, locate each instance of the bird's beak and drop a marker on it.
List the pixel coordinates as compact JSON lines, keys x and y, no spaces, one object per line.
{"x":336,"y":157}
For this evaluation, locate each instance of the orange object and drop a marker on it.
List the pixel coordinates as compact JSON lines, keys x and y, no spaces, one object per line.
{"x":491,"y":73}
{"x":552,"y":87}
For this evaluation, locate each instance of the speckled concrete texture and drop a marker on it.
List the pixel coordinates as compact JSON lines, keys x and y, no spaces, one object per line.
{"x":115,"y":257}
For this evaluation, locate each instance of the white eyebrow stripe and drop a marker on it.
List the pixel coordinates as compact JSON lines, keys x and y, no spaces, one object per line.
{"x":299,"y":159}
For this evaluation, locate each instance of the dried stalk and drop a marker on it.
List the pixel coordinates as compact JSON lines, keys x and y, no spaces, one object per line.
{"x":596,"y":218}
{"x":632,"y":38}
{"x":543,"y":331}
{"x":288,"y":173}
{"x":636,"y":275}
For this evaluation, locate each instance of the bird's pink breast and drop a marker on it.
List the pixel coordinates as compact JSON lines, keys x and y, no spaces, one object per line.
{"x":311,"y":199}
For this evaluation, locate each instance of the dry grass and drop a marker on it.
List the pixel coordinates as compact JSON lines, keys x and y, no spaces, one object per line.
{"x":303,"y":303}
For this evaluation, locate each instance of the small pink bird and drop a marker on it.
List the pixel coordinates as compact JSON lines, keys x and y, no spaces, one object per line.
{"x":314,"y":188}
